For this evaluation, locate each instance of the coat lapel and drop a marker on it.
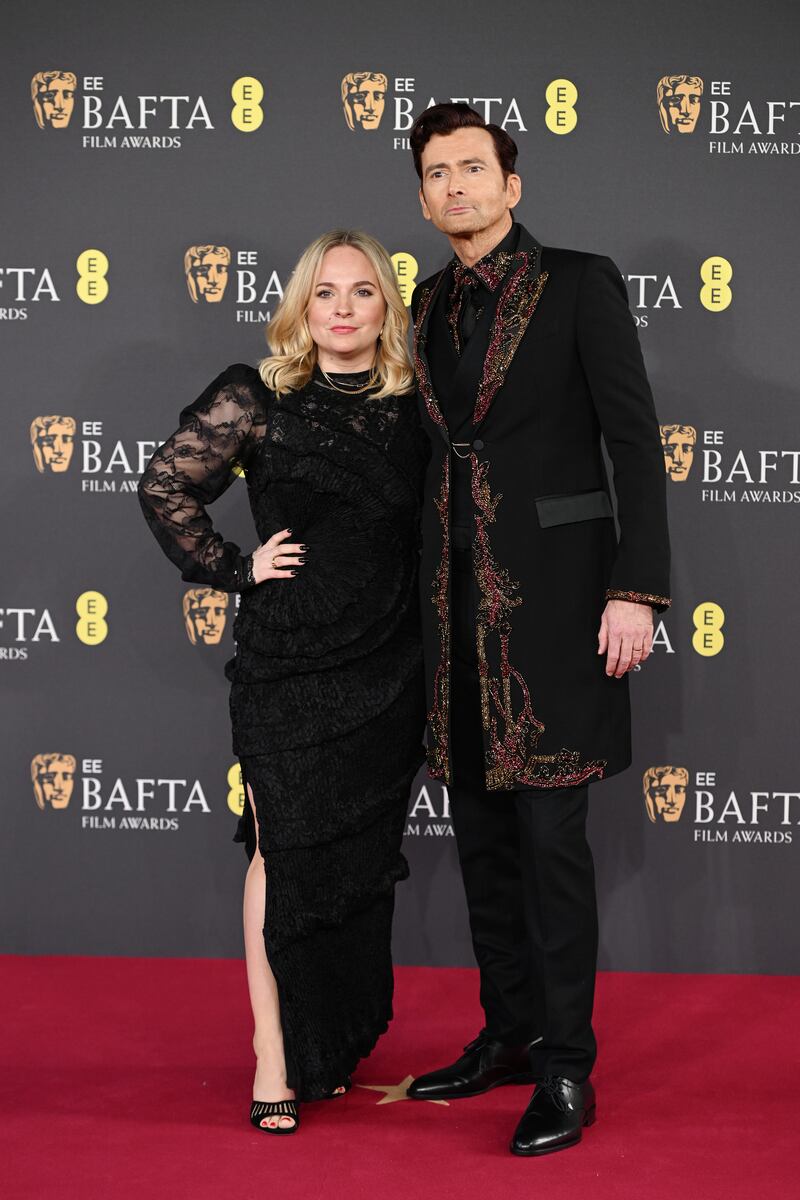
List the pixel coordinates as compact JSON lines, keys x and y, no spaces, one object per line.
{"x":421,"y":362}
{"x":519,"y":297}
{"x":520,"y":294}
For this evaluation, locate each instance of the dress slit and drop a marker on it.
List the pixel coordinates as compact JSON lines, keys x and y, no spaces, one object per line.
{"x":247,"y":827}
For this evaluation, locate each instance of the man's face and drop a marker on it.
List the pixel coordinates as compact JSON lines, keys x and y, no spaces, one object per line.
{"x":678,"y":455}
{"x":57,"y":101}
{"x":55,"y":782}
{"x":210,"y":274}
{"x":55,"y":447}
{"x":667,"y":796}
{"x":463,"y":190}
{"x":683,"y":107}
{"x":207,"y":616}
{"x":367,"y":102}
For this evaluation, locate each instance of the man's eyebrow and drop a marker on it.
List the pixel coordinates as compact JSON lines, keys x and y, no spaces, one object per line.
{"x":462,"y":162}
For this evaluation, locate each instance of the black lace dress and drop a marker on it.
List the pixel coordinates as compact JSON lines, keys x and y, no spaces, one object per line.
{"x":327,"y":694}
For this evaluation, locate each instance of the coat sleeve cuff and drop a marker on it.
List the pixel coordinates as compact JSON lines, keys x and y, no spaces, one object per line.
{"x":244,"y":573}
{"x":658,"y":602}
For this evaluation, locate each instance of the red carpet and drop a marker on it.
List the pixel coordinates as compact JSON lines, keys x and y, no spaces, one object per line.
{"x":129,"y":1078}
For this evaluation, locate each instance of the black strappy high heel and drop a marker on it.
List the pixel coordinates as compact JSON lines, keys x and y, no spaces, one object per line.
{"x":261,"y":1109}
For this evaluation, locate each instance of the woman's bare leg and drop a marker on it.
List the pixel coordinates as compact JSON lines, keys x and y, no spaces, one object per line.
{"x":270,"y":1078}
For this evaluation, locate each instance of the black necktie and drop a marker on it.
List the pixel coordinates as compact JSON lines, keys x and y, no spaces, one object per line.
{"x":469,"y":313}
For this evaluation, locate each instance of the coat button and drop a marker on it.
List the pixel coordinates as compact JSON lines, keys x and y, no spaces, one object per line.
{"x":477,"y":444}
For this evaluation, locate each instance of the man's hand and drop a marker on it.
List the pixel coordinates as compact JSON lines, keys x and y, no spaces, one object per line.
{"x":626,"y":635}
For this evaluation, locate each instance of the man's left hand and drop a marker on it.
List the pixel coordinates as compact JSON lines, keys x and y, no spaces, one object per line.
{"x":626,"y":635}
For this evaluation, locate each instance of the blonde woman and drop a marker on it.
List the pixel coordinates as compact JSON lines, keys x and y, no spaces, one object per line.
{"x":327,"y":697}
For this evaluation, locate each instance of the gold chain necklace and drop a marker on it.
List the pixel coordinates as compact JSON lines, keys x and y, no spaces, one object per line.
{"x":373,"y":379}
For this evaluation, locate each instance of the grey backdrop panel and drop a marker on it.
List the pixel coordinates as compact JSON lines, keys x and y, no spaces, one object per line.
{"x":135,"y":865}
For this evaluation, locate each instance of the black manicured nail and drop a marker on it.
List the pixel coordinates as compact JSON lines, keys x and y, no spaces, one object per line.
{"x":301,"y":560}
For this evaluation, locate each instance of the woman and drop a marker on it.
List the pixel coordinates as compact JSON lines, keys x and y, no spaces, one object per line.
{"x":327,"y":698}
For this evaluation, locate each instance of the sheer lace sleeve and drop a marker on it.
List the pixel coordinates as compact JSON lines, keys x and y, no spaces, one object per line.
{"x":220,"y":430}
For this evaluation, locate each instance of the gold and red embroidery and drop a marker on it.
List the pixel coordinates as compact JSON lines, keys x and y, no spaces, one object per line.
{"x":507,"y":714}
{"x":491,"y":271}
{"x":420,"y":363}
{"x":514,"y":310}
{"x":638,"y":597}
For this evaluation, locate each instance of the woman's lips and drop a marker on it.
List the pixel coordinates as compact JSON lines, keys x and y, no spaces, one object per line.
{"x":343,"y":328}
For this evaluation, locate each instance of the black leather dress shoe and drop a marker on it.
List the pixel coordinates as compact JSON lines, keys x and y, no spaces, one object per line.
{"x":555,"y":1117}
{"x":485,"y":1064}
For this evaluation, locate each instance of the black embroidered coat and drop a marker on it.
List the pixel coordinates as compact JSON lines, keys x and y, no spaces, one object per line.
{"x":558,"y":365}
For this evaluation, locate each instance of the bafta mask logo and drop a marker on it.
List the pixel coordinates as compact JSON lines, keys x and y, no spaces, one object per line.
{"x":52,"y":776}
{"x":204,"y":612}
{"x":665,"y":793}
{"x":364,"y":99}
{"x":679,"y":442}
{"x":53,"y":95}
{"x":52,"y":441}
{"x":679,"y":102}
{"x":206,"y":270}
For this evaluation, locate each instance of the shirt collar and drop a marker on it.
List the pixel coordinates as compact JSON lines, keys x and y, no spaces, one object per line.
{"x":492,"y":268}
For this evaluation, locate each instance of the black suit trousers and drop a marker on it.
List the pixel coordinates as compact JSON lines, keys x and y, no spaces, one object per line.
{"x":529,"y":880}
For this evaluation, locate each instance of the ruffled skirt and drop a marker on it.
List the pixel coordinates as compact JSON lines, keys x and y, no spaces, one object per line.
{"x":331,"y":816}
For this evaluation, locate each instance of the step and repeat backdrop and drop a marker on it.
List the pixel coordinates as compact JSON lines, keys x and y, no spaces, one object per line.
{"x":164,"y":167}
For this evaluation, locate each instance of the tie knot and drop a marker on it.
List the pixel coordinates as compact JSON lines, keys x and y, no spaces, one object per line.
{"x":465,"y":279}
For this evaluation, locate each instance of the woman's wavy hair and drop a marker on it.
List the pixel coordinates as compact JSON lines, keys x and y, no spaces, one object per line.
{"x":294,"y":352}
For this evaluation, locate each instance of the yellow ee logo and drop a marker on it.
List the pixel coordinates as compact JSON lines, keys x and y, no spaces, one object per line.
{"x":247,"y":113}
{"x":91,"y":627}
{"x":92,"y":285}
{"x":235,"y":790}
{"x":708,"y":638}
{"x":406,"y":269}
{"x":716,"y":273}
{"x":561,"y":96}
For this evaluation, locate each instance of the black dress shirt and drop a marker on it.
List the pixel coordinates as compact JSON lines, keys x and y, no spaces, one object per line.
{"x":472,"y":287}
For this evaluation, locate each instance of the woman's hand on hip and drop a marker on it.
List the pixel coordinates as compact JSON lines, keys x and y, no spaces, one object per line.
{"x":277,"y":559}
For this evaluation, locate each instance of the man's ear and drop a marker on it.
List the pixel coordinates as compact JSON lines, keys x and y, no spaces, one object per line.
{"x":513,"y":190}
{"x":426,"y":212}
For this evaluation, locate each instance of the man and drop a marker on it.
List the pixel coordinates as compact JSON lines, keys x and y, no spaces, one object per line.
{"x":204,"y":613}
{"x":206,"y":269}
{"x":53,"y":776}
{"x":363,"y":99}
{"x":665,"y":792}
{"x":525,"y":354}
{"x":678,"y":99}
{"x":679,"y":442}
{"x":52,"y":440}
{"x":53,"y":95}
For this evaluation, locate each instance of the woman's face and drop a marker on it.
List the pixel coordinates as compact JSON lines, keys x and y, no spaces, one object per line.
{"x":347,"y":309}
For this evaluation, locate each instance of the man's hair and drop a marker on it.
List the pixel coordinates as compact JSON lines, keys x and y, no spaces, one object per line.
{"x":685,"y":431}
{"x":446,"y":118}
{"x":654,"y":775}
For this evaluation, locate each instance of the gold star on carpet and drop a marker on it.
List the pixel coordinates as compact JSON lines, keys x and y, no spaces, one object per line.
{"x":395,"y":1091}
